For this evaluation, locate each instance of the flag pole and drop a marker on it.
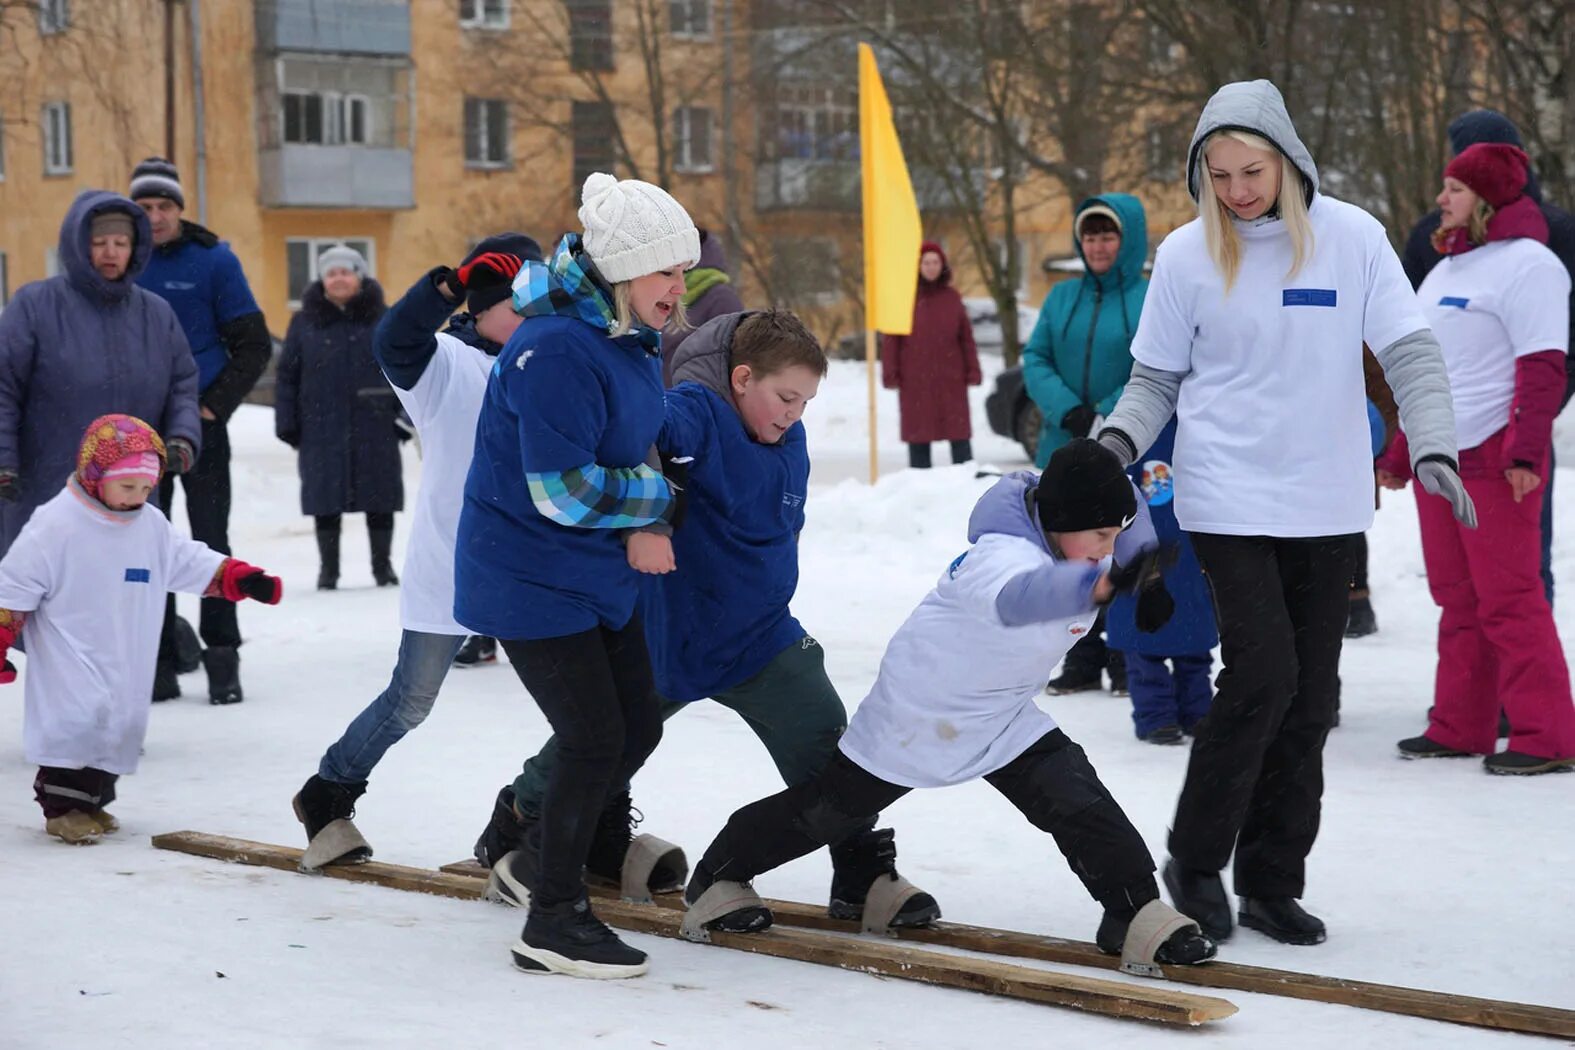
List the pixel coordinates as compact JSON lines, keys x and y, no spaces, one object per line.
{"x":869,"y":357}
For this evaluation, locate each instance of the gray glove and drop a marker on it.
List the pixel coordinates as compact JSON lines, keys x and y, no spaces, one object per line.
{"x":1440,"y":478}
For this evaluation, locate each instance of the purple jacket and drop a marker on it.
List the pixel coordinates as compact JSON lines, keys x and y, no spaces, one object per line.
{"x":74,"y":347}
{"x":715,"y":301}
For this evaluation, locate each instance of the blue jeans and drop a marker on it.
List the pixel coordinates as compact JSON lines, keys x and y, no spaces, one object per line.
{"x":1547,"y":532}
{"x":1161,"y":697}
{"x":424,"y":660}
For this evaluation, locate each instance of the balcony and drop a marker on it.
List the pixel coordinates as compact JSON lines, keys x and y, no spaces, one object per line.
{"x":347,"y":27}
{"x":312,"y":176}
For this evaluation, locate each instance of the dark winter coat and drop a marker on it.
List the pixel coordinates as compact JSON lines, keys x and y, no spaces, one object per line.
{"x":334,"y":404}
{"x":710,"y":294}
{"x":932,"y":368}
{"x":74,"y":347}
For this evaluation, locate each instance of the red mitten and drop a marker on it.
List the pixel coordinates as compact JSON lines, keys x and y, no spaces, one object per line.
{"x":7,"y":640}
{"x":7,"y":672}
{"x":501,"y":264}
{"x":240,"y":580}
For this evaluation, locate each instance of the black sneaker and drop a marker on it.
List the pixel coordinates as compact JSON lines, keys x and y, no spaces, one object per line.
{"x":223,"y":663}
{"x":856,"y":862}
{"x":1068,"y":682}
{"x":1517,"y":763}
{"x":505,"y":832}
{"x":1423,"y":747}
{"x":513,"y":878}
{"x":569,"y":939}
{"x":1165,"y":735}
{"x":321,"y":802}
{"x":610,"y":844}
{"x":1282,"y":918}
{"x":166,"y":684}
{"x":477,"y":651}
{"x":1359,"y":619}
{"x":1200,"y":896}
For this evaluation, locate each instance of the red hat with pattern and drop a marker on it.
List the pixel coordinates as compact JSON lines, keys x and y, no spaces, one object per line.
{"x":118,"y":446}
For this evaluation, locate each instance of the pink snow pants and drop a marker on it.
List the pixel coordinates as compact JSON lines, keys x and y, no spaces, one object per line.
{"x":1497,"y":645}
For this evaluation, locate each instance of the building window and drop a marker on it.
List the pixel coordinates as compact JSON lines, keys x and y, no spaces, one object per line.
{"x":303,"y":117}
{"x":594,"y":131}
{"x":486,"y":133}
{"x":816,"y":123}
{"x":301,"y":260}
{"x":806,"y":270}
{"x":484,"y":14}
{"x":57,"y":138}
{"x":327,"y":119}
{"x":690,"y":19}
{"x":590,"y":34}
{"x":54,"y":16}
{"x":692,"y":139}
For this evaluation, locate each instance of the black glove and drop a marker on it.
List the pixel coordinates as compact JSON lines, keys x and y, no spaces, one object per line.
{"x":260,"y":587}
{"x":1144,"y":579}
{"x":676,"y":471}
{"x":291,"y":438}
{"x":182,"y":457}
{"x":10,"y":486}
{"x":448,"y":284}
{"x":1078,"y":421}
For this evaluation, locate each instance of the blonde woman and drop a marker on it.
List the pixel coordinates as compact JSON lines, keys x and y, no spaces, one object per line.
{"x":1252,"y":334}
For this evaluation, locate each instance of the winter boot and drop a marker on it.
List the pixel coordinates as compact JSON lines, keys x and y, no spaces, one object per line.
{"x":166,"y":685}
{"x":224,"y":674}
{"x":1180,"y":940}
{"x":1423,"y":747}
{"x":107,"y":824}
{"x":1282,"y":918}
{"x":328,"y":559}
{"x":569,"y":939}
{"x":506,"y":831}
{"x":188,"y":648}
{"x":76,"y":827}
{"x":1165,"y":735}
{"x":1200,"y":896}
{"x":477,"y":651}
{"x":382,"y":564}
{"x":325,"y":807}
{"x":1518,"y":763}
{"x":1117,"y":668}
{"x":723,"y":906}
{"x":618,"y":858}
{"x":864,"y":865}
{"x":1359,"y":619}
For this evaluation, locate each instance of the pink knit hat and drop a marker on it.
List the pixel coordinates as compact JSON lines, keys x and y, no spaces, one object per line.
{"x":118,"y":446}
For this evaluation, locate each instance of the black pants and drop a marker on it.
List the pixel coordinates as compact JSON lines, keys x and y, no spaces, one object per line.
{"x":1255,"y":779}
{"x":595,"y":689}
{"x":207,"y":488}
{"x":374,"y":522}
{"x":61,"y":791}
{"x":919,"y":453}
{"x":1359,"y":565}
{"x":1052,"y":784}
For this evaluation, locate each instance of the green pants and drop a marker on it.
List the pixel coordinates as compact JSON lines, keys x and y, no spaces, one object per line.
{"x":791,"y":705}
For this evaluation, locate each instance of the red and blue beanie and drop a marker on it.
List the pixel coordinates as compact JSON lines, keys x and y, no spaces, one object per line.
{"x":119,"y":446}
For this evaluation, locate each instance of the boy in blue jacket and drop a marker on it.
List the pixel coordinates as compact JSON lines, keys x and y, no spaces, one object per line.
{"x":1167,"y":701}
{"x":719,"y":626}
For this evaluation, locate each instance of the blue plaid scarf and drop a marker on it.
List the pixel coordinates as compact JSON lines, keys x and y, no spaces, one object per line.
{"x":570,"y":286}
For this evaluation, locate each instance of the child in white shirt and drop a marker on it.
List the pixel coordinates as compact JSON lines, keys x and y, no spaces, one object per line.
{"x":84,"y":586}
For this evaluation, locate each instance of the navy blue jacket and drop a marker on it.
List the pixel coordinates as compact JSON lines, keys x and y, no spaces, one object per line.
{"x":1191,"y":629}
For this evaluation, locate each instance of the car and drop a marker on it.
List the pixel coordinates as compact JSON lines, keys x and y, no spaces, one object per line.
{"x":1012,"y":413}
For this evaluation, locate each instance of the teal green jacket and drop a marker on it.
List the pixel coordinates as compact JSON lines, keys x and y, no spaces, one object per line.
{"x":1080,"y":351}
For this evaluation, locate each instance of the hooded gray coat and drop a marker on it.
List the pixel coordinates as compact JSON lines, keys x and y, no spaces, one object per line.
{"x":74,"y":347}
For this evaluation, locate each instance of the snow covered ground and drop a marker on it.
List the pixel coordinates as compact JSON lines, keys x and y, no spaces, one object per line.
{"x":1429,"y":874}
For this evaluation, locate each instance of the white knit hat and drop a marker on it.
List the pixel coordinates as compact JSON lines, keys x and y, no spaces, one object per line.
{"x":633,"y":228}
{"x":341,"y":257}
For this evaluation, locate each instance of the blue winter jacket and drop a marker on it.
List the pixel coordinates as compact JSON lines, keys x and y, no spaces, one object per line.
{"x":201,"y":279}
{"x":723,"y":615}
{"x":1191,"y":629}
{"x":1080,"y":350}
{"x":76,"y":346}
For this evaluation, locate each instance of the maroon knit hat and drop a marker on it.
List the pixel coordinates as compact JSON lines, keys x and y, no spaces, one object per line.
{"x":1495,"y":171}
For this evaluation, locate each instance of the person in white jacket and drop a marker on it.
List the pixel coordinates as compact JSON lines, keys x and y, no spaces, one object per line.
{"x":83,"y":586}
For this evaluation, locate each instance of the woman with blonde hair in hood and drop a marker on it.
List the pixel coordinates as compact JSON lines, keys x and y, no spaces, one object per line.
{"x":1252,"y":335}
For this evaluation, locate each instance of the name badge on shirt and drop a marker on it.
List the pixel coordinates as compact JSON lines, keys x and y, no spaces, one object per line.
{"x":138,"y":576}
{"x":1308,"y":297}
{"x":1455,"y":301}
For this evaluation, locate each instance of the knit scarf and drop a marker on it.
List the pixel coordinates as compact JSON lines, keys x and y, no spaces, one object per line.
{"x":701,"y":280}
{"x":570,"y":286}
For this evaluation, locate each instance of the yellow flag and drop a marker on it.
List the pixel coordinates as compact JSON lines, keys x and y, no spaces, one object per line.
{"x":891,"y":213}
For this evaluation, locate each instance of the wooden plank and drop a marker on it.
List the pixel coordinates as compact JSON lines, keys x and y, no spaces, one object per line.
{"x":1409,"y":1002}
{"x":863,"y":955}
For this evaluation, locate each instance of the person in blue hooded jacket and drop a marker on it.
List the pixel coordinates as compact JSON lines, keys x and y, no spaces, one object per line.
{"x":1076,"y":364}
{"x":86,"y":343}
{"x":1168,"y":669}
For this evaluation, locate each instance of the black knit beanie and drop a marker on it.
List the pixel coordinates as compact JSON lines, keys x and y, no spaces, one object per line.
{"x":157,"y":177}
{"x":1084,"y":487}
{"x":486,"y":289}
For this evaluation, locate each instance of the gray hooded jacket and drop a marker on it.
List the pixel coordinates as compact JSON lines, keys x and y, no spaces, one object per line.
{"x":1413,"y":365}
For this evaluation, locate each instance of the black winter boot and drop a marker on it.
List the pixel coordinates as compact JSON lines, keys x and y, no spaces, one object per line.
{"x":750,"y":918}
{"x":505,"y":832}
{"x":1359,"y":619}
{"x":328,"y":557}
{"x":1200,"y":896}
{"x":224,"y":674}
{"x":166,"y":684}
{"x":568,"y":938}
{"x":1282,"y":918}
{"x":321,"y":802}
{"x":856,"y":862}
{"x":614,"y":831}
{"x":1185,"y":947}
{"x":382,"y":564}
{"x":188,"y":648}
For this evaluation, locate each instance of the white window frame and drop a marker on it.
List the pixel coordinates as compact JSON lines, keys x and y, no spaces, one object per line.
{"x":315,"y":247}
{"x":484,"y":14}
{"x":54,"y":16}
{"x":683,"y":141}
{"x":347,"y":105}
{"x":686,"y":31}
{"x":57,"y":160}
{"x":486,"y":160}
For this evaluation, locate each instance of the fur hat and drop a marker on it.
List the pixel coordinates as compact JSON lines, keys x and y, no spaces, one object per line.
{"x":107,"y":446}
{"x":633,"y":228}
{"x":157,"y":177}
{"x":1084,"y":487}
{"x":1495,"y":171}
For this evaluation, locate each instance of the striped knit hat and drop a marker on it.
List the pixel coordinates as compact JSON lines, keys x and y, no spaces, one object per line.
{"x":117,"y":445}
{"x":157,"y":177}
